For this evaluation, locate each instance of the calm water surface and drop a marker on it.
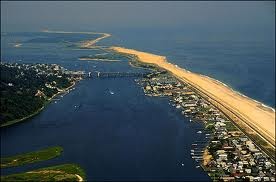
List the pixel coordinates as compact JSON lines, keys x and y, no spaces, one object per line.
{"x":125,"y":136}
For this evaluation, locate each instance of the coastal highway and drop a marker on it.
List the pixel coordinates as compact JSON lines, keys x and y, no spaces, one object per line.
{"x":235,"y":105}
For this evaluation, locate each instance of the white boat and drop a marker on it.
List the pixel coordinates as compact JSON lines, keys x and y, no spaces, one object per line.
{"x":199,"y":132}
{"x":182,"y":164}
{"x":17,"y":45}
{"x":197,"y":166}
{"x":111,"y":92}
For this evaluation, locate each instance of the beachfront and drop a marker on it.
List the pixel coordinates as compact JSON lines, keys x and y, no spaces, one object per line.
{"x":256,"y":116}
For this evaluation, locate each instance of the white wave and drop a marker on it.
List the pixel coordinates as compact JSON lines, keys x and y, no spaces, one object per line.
{"x":239,"y":93}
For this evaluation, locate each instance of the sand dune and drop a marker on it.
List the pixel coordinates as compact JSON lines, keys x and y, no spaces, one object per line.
{"x":254,"y":114}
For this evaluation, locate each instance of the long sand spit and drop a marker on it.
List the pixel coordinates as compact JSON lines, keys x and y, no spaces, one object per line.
{"x":85,"y":44}
{"x":254,"y":114}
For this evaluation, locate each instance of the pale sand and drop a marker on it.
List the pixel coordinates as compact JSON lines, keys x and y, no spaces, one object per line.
{"x":85,"y":44}
{"x":90,"y":43}
{"x":260,"y":118}
{"x":79,"y":177}
{"x":206,"y":157}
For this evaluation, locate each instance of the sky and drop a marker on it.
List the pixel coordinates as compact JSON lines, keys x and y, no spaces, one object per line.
{"x":254,"y":19}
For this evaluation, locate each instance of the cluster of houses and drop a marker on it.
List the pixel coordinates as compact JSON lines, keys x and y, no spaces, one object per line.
{"x":52,"y":71}
{"x":45,"y":69}
{"x":232,"y":156}
{"x":236,"y":156}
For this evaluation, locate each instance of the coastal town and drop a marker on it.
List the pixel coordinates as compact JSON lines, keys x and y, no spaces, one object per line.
{"x":33,"y":85}
{"x":229,"y":154}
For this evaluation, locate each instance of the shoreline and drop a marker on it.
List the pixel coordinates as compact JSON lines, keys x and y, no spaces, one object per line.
{"x":16,"y":121}
{"x":200,"y":82}
{"x":241,"y":94}
{"x":85,"y":44}
{"x":100,"y":60}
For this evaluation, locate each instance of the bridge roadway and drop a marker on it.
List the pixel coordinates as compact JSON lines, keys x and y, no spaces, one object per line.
{"x":115,"y":74}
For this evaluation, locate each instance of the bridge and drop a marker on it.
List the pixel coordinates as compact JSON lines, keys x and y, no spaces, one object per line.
{"x":99,"y":74}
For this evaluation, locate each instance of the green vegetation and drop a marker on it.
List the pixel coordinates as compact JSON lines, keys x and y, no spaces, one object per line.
{"x":104,"y":56}
{"x":135,"y":63}
{"x":230,"y":126}
{"x":26,"y":88}
{"x":216,"y":175}
{"x":65,"y":172}
{"x":31,"y":157}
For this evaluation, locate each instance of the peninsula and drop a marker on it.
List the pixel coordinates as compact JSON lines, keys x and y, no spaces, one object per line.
{"x":258,"y":119}
{"x":85,"y":44}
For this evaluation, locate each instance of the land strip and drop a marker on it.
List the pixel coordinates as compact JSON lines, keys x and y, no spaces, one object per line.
{"x":85,"y":44}
{"x":64,"y":172}
{"x":31,"y":157}
{"x":239,"y":108}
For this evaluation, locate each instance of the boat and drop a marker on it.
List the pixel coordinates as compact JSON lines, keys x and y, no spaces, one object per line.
{"x":199,"y":132}
{"x":182,"y":164}
{"x":197,"y":166}
{"x":17,"y":45}
{"x":111,"y":92}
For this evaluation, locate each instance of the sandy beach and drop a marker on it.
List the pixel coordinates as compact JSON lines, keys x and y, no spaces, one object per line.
{"x":254,"y":114}
{"x":85,"y":44}
{"x":90,"y":43}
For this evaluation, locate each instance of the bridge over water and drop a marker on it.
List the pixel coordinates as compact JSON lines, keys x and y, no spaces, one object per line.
{"x":99,"y":74}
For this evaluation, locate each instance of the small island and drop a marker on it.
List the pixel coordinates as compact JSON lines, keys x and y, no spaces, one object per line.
{"x":104,"y":57}
{"x":63,"y":172}
{"x":31,"y":157}
{"x":27,"y":88}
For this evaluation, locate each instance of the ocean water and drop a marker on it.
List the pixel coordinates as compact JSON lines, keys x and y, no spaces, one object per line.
{"x":128,"y":136}
{"x":124,"y":136}
{"x":246,"y":65}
